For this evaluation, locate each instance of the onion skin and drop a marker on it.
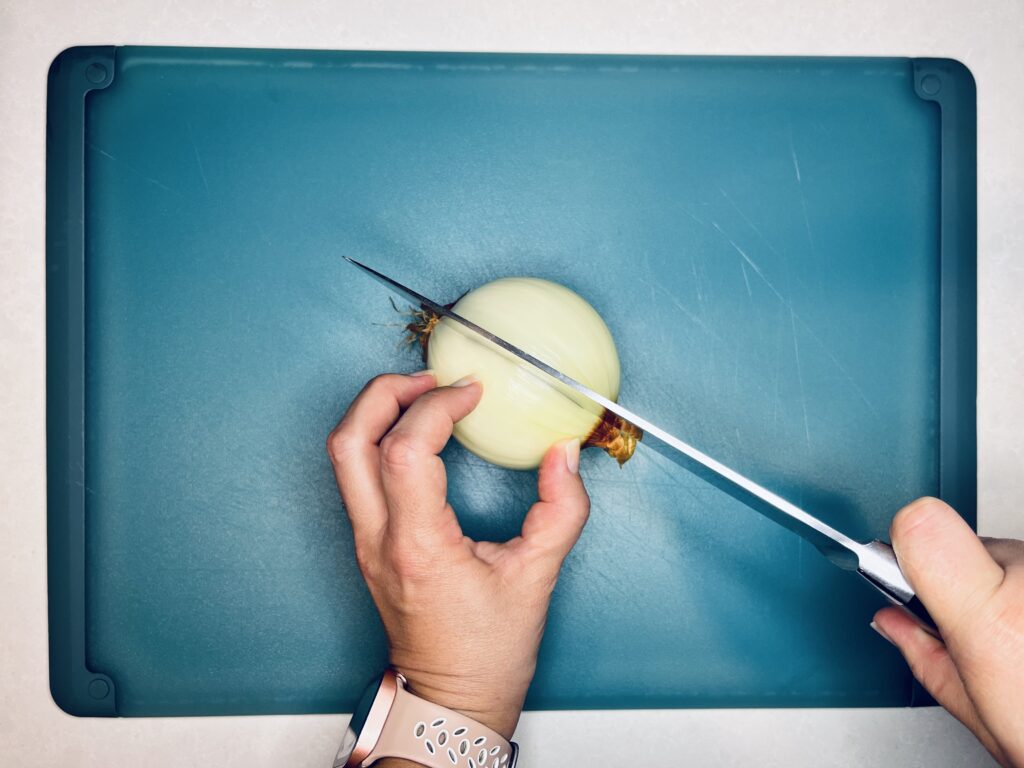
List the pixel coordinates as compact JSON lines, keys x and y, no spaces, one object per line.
{"x":527,"y":412}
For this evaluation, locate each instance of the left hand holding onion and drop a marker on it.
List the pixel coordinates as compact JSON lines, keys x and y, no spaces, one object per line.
{"x":464,"y":619}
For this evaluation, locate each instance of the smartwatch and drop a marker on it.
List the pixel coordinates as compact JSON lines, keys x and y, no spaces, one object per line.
{"x":389,"y":721}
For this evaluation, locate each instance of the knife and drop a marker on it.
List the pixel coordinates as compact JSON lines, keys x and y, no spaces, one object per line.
{"x":875,"y":560}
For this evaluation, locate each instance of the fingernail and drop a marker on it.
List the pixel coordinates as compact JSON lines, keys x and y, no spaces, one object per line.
{"x":572,"y":455}
{"x":465,"y":381}
{"x":879,"y":630}
{"x":426,"y":372}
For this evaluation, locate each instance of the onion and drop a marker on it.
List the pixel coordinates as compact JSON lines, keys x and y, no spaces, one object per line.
{"x":523,"y":412}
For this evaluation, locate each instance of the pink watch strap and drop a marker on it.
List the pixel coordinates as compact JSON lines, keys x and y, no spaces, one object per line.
{"x":432,"y":735}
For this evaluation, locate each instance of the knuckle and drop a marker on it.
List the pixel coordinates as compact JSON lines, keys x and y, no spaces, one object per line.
{"x":339,"y":441}
{"x":397,"y":452}
{"x":936,"y":684}
{"x":336,"y":441}
{"x":366,"y":559}
{"x":380,"y":381}
{"x":411,"y":564}
{"x":377,"y":386}
{"x":925,"y":665}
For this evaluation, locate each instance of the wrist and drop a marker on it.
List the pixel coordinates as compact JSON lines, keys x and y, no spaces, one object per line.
{"x":495,"y":704}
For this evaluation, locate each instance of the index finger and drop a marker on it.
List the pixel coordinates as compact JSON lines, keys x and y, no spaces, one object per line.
{"x":353,"y":445}
{"x":413,"y":474}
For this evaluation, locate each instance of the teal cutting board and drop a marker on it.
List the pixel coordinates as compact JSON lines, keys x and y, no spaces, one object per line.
{"x":783,"y":249}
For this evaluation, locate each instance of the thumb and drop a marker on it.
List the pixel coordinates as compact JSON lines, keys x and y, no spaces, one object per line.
{"x":944,"y":561}
{"x":555,"y":522}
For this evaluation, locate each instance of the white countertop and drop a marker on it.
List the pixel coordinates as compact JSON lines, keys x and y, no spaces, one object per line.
{"x":987,"y":36}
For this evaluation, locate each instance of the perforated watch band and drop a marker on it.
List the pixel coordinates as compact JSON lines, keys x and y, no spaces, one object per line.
{"x":431,"y":735}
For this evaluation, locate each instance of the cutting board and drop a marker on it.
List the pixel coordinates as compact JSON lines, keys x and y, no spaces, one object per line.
{"x":783,"y":249}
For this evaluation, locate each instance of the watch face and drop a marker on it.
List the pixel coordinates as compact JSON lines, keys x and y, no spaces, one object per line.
{"x":355,"y":725}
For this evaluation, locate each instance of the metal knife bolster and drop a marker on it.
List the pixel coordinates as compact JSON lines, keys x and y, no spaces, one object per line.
{"x":877,"y":564}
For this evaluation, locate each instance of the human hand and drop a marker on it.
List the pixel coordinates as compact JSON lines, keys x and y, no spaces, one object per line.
{"x":464,"y":618}
{"x":974,"y":589}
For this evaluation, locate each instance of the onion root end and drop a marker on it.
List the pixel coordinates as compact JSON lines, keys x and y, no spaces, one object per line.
{"x":616,"y":436}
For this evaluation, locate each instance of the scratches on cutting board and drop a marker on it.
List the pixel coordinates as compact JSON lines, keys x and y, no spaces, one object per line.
{"x":835,"y":361}
{"x":130,"y":167}
{"x":747,"y":221}
{"x":655,"y":288}
{"x":694,"y":216}
{"x":696,"y":279}
{"x":674,"y":479}
{"x":800,"y":189}
{"x":795,"y":316}
{"x":796,"y":162}
{"x":775,"y":400}
{"x":753,"y":265}
{"x":800,"y":377}
{"x":199,"y":160}
{"x":746,"y":279}
{"x":613,"y":585}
